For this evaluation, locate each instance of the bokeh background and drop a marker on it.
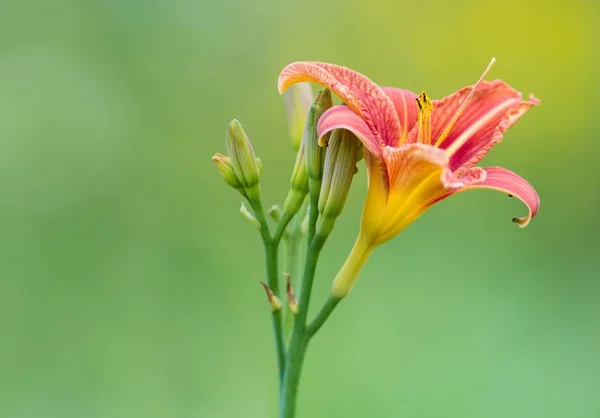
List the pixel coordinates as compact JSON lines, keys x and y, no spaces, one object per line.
{"x":129,"y":282}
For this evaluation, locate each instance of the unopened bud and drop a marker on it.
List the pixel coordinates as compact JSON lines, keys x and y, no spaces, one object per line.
{"x":340,"y":166}
{"x":274,"y":212}
{"x":298,"y":184}
{"x":298,"y":99}
{"x":315,"y":154}
{"x":243,"y":160}
{"x":273,"y":300}
{"x":292,"y":302}
{"x":223,"y":164}
{"x":246,"y":214}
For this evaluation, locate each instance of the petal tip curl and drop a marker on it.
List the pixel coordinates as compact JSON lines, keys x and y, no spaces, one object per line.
{"x":513,"y":185}
{"x":522,"y":222}
{"x":284,"y":80}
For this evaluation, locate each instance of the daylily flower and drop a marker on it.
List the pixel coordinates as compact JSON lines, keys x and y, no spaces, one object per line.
{"x":418,"y":152}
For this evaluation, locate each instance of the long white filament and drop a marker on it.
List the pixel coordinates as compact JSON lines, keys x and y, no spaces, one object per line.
{"x":456,"y":145}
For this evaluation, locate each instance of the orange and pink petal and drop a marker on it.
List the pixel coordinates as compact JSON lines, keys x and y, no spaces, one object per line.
{"x":361,"y":95}
{"x":493,"y":108}
{"x":418,"y":174}
{"x":406,"y":108}
{"x":501,"y":180}
{"x":506,"y":181}
{"x":341,"y":117}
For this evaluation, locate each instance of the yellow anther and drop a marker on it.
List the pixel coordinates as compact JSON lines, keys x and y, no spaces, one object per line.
{"x":425,"y":108}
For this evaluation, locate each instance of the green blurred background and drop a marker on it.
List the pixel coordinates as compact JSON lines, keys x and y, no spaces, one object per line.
{"x":128,"y":280}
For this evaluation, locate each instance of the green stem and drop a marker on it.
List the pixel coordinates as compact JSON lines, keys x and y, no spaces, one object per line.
{"x":273,"y":282}
{"x":291,"y":241}
{"x":300,"y":338}
{"x":283,"y":223}
{"x":318,"y":322}
{"x":271,"y":245}
{"x":291,"y":250}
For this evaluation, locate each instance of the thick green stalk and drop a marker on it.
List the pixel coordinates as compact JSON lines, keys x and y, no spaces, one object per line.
{"x":291,"y":379}
{"x":300,"y":338}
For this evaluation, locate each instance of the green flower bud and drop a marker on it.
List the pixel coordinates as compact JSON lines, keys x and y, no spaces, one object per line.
{"x":298,"y":184}
{"x":340,"y":166}
{"x":243,"y":160}
{"x":298,"y":99}
{"x":223,"y":164}
{"x":315,"y":154}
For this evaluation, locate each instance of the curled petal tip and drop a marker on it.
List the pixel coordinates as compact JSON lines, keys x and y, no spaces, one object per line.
{"x":289,"y":75}
{"x":522,"y":222}
{"x":525,"y":220}
{"x":513,"y":185}
{"x":281,"y":86}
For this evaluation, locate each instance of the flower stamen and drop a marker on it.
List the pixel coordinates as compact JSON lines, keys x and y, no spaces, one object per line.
{"x":425,"y":108}
{"x":459,"y":112}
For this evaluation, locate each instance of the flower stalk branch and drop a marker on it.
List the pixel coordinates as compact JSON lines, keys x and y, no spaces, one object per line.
{"x":271,"y":247}
{"x":322,"y":316}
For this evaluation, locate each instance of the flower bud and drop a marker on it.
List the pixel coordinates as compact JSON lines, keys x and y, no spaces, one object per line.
{"x":243,"y":160}
{"x":223,"y":164}
{"x":340,"y":166}
{"x":315,"y":154}
{"x":298,"y":99}
{"x":298,"y":184}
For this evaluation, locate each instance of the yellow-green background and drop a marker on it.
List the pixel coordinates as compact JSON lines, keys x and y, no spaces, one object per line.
{"x":128,"y":280}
